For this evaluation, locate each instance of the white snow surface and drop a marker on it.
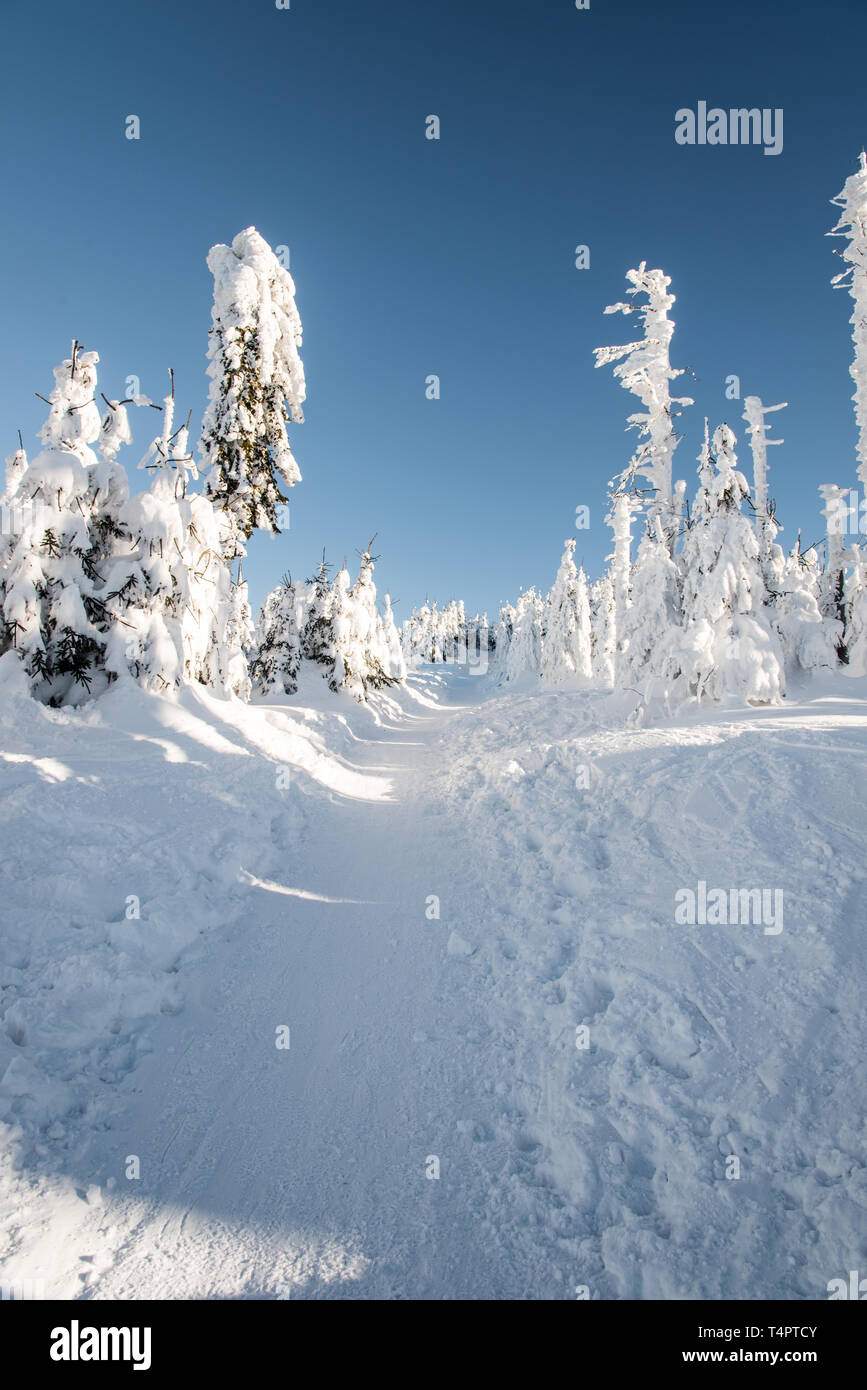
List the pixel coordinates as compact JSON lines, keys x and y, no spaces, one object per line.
{"x":287,"y":858}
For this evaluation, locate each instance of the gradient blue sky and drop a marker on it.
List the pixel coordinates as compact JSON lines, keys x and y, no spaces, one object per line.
{"x":454,"y":257}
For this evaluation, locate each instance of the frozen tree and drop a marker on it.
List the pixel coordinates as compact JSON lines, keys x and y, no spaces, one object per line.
{"x":757,"y":428}
{"x":317,"y":633}
{"x":727,"y":645}
{"x":171,"y":599}
{"x":147,"y":582}
{"x":54,"y":612}
{"x":809,"y":640}
{"x":855,"y":605}
{"x":277,"y":662}
{"x":566,"y":648}
{"x":257,"y":384}
{"x":832,"y":585}
{"x":647,"y":372}
{"x":391,"y":640}
{"x":604,"y":630}
{"x":348,"y":658}
{"x":524,"y":654}
{"x":852,"y":225}
{"x":648,"y":626}
{"x":503,"y":639}
{"x":368,"y":631}
{"x":620,"y":521}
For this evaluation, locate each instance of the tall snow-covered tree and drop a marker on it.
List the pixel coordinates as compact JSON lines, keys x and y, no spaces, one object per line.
{"x":647,"y":372}
{"x":257,"y":385}
{"x":852,"y":225}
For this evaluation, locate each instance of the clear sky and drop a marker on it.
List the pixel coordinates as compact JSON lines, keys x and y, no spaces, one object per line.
{"x":454,"y":257}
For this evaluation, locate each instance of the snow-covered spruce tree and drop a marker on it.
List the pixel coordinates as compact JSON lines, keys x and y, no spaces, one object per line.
{"x":278,"y":641}
{"x":566,"y":650}
{"x":146,"y":581}
{"x":620,"y":520}
{"x":368,"y":630}
{"x":603,"y":630}
{"x":727,"y":645}
{"x":855,"y":604}
{"x":808,"y":639}
{"x":832,"y":584}
{"x":348,"y":663}
{"x":524,"y":655}
{"x":390,"y":638}
{"x":317,"y":632}
{"x":170,"y":592}
{"x":757,"y":429}
{"x":648,"y":627}
{"x":257,"y":384}
{"x":852,"y":224}
{"x":14,"y":508}
{"x":54,"y":612}
{"x":503,"y":639}
{"x":647,"y":372}
{"x":240,"y":631}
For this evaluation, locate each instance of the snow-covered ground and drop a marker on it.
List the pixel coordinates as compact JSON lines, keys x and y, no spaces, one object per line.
{"x":288,"y":862}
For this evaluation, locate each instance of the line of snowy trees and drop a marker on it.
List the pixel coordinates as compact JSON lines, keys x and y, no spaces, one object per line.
{"x":710,"y":605}
{"x":434,"y":634}
{"x":333,"y":625}
{"x":97,"y":585}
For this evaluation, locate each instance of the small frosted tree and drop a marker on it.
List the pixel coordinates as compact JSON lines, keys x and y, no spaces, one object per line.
{"x":317,"y":632}
{"x":832,"y":584}
{"x":809,"y":640}
{"x":277,"y":662}
{"x":727,"y":646}
{"x":368,"y":631}
{"x":390,"y":638}
{"x":257,"y":385}
{"x":647,"y":629}
{"x":54,"y":612}
{"x":348,"y":660}
{"x":647,"y":372}
{"x":524,"y":654}
{"x":566,"y":646}
{"x":604,"y":630}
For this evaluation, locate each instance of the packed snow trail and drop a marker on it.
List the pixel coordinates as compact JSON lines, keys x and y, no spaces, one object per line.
{"x":271,"y":1172}
{"x":295,"y":852}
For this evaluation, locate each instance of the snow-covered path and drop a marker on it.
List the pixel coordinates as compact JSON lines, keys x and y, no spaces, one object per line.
{"x":268,"y":1171}
{"x":554,"y":839}
{"x":301,"y":1170}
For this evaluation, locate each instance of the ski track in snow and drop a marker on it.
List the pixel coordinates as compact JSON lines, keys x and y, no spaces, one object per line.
{"x":301,"y":1173}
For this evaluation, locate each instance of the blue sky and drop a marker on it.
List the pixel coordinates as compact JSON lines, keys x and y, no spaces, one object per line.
{"x":452,"y":257}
